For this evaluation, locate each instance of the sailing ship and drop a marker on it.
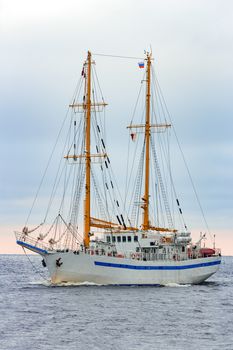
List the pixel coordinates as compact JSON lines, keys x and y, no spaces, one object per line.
{"x":110,"y":247}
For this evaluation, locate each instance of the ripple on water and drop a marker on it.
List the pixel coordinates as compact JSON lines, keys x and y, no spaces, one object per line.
{"x":37,"y":315}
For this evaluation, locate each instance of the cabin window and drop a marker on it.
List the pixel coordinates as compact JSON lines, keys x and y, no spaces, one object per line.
{"x":118,"y":238}
{"x":108,"y":239}
{"x":183,"y":249}
{"x":129,"y":238}
{"x":113,"y":239}
{"x":124,"y":239}
{"x":135,"y":238}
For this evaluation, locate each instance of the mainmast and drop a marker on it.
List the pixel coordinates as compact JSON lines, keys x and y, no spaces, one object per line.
{"x":148,"y":129}
{"x":145,"y":198}
{"x":87,"y":201}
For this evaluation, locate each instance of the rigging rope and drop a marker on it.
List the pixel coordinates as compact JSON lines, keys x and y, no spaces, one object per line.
{"x":185,"y":162}
{"x":160,"y":181}
{"x":117,"y":56}
{"x":167,"y":153}
{"x":33,"y":266}
{"x":50,"y":158}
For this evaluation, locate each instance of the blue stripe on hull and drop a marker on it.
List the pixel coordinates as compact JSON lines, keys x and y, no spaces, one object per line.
{"x":168,"y":267}
{"x":32,"y":247}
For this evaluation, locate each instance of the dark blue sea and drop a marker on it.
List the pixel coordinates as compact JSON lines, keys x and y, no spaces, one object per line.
{"x":36,"y":315}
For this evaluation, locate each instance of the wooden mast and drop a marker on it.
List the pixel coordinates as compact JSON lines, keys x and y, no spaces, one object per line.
{"x":148,"y":129}
{"x":145,"y":198}
{"x":87,"y":201}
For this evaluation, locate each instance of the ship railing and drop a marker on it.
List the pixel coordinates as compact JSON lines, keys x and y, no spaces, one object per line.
{"x":218,"y":251}
{"x":138,"y":256}
{"x":167,"y":257}
{"x":20,"y":236}
{"x":144,"y":256}
{"x":102,"y":251}
{"x":155,"y":257}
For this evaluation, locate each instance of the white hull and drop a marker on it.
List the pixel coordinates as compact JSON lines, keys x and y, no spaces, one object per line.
{"x":121,"y":271}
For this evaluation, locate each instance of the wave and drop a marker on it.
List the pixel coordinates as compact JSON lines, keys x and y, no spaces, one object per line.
{"x":48,"y":283}
{"x":45,"y":283}
{"x":71,"y":284}
{"x":177,"y":285}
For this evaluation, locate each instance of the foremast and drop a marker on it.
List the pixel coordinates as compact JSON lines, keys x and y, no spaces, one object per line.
{"x":87,"y":200}
{"x":87,"y":107}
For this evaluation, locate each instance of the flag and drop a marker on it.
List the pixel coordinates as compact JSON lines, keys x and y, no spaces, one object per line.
{"x":133,"y":136}
{"x":141,"y":64}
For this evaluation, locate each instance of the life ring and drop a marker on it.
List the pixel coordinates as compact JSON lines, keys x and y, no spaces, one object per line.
{"x":133,"y":256}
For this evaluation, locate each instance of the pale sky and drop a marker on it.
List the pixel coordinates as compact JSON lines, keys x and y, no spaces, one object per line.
{"x":43,"y":46}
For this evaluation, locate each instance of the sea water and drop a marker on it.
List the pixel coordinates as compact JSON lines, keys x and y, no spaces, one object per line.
{"x":37,"y":315}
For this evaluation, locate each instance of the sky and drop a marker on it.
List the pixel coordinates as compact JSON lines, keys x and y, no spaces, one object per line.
{"x":43,"y":46}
